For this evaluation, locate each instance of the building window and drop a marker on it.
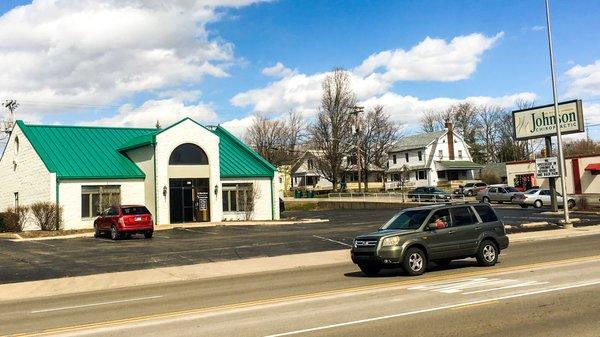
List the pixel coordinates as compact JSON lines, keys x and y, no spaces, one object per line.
{"x":441,"y":153}
{"x":406,"y":156}
{"x":94,"y":199}
{"x":420,"y":154}
{"x":421,"y":175}
{"x":16,"y":200}
{"x":394,"y":159}
{"x":237,"y":197}
{"x":188,"y":154}
{"x":460,"y":154}
{"x":310,"y":164}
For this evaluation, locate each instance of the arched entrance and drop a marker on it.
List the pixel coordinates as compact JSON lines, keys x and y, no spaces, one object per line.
{"x":189,"y":184}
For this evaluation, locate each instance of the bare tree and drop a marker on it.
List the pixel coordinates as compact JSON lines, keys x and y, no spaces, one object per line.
{"x":331,"y":133}
{"x":488,"y":134}
{"x":581,"y":147}
{"x":267,"y":136}
{"x":429,"y":121}
{"x":295,"y":132}
{"x":378,"y":133}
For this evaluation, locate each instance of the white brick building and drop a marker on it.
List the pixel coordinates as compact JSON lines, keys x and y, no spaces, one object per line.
{"x":184,"y":173}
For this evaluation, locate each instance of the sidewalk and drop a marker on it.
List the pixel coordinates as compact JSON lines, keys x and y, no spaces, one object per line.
{"x":62,"y":286}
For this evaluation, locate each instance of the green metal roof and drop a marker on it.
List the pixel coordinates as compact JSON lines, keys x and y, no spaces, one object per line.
{"x":456,"y":165}
{"x":80,"y":152}
{"x":239,"y":160}
{"x":83,"y":152}
{"x":416,"y":141}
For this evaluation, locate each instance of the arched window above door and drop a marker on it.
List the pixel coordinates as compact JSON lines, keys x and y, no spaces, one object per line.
{"x":188,"y":154}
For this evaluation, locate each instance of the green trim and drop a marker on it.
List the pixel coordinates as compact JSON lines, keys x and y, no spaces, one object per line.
{"x":155,"y":194}
{"x":272,"y":201}
{"x":142,"y":177}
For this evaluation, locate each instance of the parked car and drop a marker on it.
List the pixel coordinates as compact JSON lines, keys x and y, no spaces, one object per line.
{"x":470,"y":189}
{"x":123,"y":221}
{"x":429,"y":194}
{"x":540,"y":197}
{"x":497,"y":194}
{"x":435,"y":233}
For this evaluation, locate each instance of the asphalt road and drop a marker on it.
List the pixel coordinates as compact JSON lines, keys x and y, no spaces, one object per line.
{"x":38,"y":260}
{"x":546,"y":288}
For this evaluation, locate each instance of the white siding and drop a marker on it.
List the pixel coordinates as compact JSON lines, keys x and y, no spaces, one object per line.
{"x":263,"y":203}
{"x":30,"y":178}
{"x":187,"y":132}
{"x":132,"y":193}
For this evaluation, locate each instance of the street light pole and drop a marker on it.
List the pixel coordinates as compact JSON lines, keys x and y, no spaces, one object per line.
{"x":561,"y":158}
{"x":356,"y":110}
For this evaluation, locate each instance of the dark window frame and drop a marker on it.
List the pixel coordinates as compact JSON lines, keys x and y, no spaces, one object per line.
{"x":188,"y":154}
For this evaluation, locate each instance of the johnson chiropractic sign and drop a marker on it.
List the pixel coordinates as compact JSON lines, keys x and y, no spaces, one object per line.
{"x":541,"y":121}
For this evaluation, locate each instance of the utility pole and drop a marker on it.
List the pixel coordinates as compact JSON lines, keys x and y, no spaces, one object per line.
{"x":356,"y":110}
{"x":561,"y":159}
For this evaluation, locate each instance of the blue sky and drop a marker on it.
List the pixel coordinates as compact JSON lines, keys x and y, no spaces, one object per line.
{"x":98,"y":62}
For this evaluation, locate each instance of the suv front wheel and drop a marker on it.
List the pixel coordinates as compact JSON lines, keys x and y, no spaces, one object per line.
{"x":415,"y":262}
{"x":487,"y":253}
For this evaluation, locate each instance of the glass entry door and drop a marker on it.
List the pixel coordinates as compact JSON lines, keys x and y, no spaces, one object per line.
{"x":189,"y":200}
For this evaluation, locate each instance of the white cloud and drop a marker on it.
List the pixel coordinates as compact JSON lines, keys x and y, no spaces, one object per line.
{"x":98,"y":51}
{"x":538,"y":28}
{"x":238,"y":127}
{"x":278,"y":70}
{"x":584,"y":81}
{"x":166,"y":111}
{"x":429,"y":60}
{"x":409,"y":109}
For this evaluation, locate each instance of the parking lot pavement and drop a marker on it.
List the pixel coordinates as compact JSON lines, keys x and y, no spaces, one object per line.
{"x":38,"y":260}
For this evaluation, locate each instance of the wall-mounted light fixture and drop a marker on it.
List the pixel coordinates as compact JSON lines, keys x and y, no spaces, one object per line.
{"x":165,"y":191}
{"x":216,"y":189}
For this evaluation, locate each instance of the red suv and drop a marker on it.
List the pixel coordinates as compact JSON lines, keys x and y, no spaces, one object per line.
{"x":122,"y":221}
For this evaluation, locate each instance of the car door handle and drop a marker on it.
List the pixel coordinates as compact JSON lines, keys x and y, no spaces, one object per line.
{"x":450,"y":232}
{"x":478,"y":228}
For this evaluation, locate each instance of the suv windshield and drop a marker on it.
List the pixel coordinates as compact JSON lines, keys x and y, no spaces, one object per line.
{"x":412,"y":219}
{"x":470,"y":185}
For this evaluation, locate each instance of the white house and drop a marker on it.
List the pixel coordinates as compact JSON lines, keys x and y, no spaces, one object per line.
{"x":305,"y":174}
{"x":183,"y":173}
{"x":439,"y":158}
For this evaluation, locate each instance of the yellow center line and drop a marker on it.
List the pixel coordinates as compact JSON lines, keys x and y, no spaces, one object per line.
{"x":283,"y":299}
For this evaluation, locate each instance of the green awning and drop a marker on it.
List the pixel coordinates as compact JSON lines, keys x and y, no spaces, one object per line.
{"x":449,"y":165}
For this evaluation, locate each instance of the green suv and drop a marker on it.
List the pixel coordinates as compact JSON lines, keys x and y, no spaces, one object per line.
{"x":437,"y":233}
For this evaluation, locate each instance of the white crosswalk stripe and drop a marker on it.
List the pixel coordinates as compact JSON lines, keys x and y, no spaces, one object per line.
{"x":475,"y":285}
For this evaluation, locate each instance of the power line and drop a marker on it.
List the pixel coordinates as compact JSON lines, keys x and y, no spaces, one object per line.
{"x":69,"y":105}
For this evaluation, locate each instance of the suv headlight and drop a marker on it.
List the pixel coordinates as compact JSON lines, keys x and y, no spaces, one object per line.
{"x":391,"y":241}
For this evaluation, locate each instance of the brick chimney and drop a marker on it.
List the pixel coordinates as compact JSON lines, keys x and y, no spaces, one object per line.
{"x":450,"y":140}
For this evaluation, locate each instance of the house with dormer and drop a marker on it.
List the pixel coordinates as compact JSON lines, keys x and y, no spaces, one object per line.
{"x":439,"y":158}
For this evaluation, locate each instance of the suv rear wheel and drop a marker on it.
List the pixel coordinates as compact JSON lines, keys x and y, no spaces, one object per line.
{"x":114,"y":233}
{"x":415,"y":262}
{"x":369,"y":269}
{"x":487,"y":253}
